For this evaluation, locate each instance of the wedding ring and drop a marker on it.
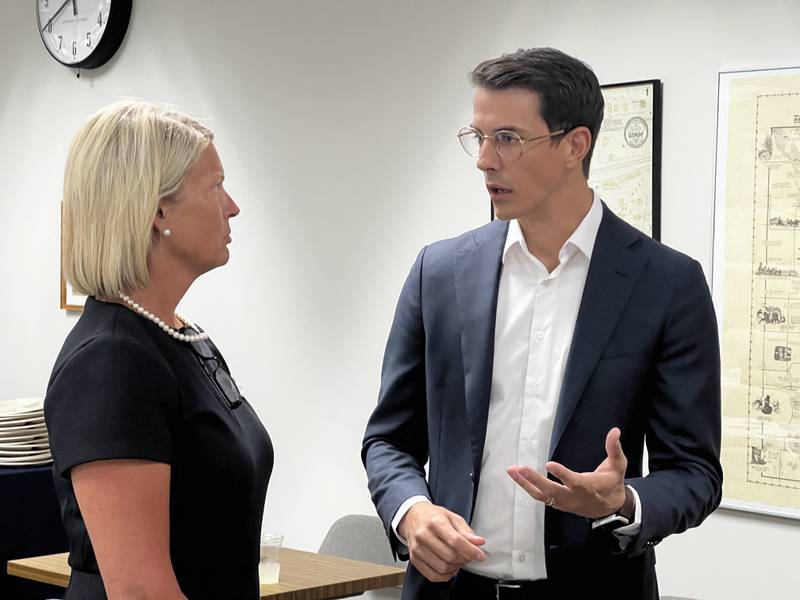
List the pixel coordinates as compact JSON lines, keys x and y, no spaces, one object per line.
{"x":551,"y":501}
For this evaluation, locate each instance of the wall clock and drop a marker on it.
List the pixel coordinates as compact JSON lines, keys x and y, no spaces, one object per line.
{"x":83,"y":34}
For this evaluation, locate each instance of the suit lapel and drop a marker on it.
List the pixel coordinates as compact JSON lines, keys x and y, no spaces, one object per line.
{"x":613,"y":272}
{"x":477,"y":278}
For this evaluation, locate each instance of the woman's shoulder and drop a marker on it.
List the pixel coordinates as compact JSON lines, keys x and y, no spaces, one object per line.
{"x":109,"y":337}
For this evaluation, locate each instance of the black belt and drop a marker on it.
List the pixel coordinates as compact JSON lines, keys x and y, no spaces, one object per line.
{"x":469,"y":585}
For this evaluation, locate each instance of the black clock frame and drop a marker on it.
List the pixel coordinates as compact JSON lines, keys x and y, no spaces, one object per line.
{"x":119,"y":16}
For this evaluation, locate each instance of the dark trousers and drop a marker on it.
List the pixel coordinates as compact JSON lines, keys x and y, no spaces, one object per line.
{"x":469,"y":586}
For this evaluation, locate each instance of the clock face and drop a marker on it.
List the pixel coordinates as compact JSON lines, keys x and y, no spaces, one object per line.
{"x":82,"y":33}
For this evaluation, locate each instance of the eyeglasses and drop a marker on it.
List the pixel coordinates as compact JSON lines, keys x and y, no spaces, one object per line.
{"x":509,"y":145}
{"x":217,"y":370}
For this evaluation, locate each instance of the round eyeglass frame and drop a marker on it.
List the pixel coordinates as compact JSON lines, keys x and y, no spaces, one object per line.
{"x":519,"y":141}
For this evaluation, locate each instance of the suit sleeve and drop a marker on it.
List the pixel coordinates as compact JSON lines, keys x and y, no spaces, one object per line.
{"x":395,"y":447}
{"x":683,"y":431}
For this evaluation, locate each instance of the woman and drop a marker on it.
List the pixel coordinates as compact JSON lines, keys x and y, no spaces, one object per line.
{"x":161,"y":467}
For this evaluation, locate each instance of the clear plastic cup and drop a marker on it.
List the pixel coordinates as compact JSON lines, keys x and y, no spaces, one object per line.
{"x":269,"y":566}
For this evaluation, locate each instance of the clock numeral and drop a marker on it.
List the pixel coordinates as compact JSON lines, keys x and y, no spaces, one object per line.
{"x":88,"y":40}
{"x":74,"y":48}
{"x":50,"y":27}
{"x":47,"y":3}
{"x":100,"y":19}
{"x":60,"y":39}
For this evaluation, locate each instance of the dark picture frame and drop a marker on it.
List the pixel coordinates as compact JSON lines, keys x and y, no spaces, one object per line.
{"x":627,"y":153}
{"x":616,"y":150}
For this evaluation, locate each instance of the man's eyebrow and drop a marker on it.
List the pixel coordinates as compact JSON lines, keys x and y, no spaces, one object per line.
{"x":513,"y":128}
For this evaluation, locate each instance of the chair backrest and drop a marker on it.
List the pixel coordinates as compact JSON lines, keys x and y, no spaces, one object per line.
{"x":358,"y":537}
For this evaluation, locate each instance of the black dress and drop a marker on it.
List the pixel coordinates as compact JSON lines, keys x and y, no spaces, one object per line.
{"x":123,"y":388}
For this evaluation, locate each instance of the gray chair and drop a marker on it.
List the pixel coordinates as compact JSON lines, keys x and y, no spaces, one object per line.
{"x":359,"y":537}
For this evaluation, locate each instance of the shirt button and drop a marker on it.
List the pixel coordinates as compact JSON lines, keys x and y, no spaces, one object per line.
{"x":529,"y":446}
{"x":539,"y":335}
{"x":521,"y":557}
{"x":538,"y":390}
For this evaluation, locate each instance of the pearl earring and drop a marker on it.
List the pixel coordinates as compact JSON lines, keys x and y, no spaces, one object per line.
{"x":167,"y":232}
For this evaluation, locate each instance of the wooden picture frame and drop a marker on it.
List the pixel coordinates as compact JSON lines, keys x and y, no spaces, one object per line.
{"x":756,"y":286}
{"x":70,"y":300}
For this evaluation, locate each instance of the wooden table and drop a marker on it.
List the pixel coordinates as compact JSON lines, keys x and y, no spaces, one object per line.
{"x":304,"y":575}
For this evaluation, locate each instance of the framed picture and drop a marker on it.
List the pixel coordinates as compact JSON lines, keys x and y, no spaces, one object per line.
{"x":626,"y":164}
{"x":756,"y":287}
{"x":70,"y":300}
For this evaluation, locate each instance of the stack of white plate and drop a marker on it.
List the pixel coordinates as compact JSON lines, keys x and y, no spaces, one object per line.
{"x":23,"y":435}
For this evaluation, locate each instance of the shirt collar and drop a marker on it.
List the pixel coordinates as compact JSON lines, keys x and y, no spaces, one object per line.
{"x":582,"y":238}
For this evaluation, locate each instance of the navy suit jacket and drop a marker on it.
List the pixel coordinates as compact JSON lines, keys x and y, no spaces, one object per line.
{"x":644,"y":357}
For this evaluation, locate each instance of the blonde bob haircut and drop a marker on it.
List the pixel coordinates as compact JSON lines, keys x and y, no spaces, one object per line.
{"x":124,"y":160}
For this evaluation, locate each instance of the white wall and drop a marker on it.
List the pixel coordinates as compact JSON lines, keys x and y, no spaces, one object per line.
{"x":336,"y":124}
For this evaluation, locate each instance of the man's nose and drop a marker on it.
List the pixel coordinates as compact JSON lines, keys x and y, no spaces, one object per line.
{"x":488,"y":158}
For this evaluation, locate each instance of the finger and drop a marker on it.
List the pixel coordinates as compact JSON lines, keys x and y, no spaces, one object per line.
{"x":541,"y":488}
{"x":568,"y":477}
{"x":522,"y":479}
{"x":433,"y":557}
{"x":614,"y":446}
{"x":466,"y":541}
{"x":541,"y":482}
{"x":429,"y":572}
{"x":437,"y":546}
{"x":460,"y":525}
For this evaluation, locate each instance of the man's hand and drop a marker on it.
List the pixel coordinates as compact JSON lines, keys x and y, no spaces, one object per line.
{"x":593,"y":495}
{"x":439,"y":541}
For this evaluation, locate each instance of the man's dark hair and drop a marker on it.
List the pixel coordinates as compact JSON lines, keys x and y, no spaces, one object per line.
{"x":568,"y":90}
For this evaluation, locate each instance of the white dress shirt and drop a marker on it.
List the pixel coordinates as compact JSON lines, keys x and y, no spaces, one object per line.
{"x":536,"y":315}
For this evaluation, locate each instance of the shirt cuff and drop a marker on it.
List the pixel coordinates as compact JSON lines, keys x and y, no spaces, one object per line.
{"x":624,"y":534}
{"x":401,"y":512}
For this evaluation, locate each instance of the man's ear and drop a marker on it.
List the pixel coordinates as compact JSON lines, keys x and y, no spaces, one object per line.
{"x":578,"y":142}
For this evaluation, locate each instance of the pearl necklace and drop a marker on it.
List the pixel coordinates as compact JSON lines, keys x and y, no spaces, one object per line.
{"x":167,"y":329}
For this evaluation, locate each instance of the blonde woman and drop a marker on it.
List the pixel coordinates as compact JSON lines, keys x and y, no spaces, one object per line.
{"x":161,"y":466}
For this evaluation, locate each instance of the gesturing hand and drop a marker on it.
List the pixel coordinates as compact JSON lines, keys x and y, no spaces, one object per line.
{"x":439,"y":541}
{"x":593,"y":495}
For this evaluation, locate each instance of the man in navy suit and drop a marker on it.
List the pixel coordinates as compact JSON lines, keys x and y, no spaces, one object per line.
{"x":529,"y":360}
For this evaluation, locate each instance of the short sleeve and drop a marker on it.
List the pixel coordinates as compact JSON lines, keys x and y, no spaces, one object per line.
{"x":112,"y":398}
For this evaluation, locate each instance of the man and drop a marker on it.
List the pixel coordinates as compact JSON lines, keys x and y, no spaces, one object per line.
{"x":529,"y":359}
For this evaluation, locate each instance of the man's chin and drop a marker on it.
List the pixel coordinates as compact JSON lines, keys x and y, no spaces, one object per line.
{"x":504,"y":213}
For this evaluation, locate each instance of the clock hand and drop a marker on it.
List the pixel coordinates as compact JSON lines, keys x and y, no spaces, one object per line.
{"x":74,"y":8}
{"x":58,"y":12}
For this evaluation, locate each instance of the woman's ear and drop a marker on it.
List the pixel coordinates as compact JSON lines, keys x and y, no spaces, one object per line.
{"x":160,"y":220}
